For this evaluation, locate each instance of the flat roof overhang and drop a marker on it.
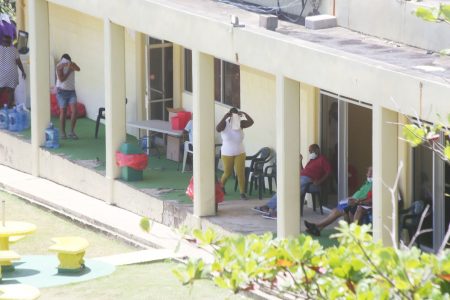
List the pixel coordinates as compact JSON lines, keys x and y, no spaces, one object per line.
{"x":204,"y":25}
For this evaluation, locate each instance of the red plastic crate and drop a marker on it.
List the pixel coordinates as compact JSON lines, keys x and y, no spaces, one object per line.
{"x":184,"y":117}
{"x":176,"y":123}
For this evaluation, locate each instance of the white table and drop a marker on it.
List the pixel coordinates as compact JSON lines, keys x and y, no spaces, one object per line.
{"x":161,"y":127}
{"x":156,"y":126}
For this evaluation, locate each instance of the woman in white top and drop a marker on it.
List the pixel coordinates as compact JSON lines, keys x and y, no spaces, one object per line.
{"x":65,"y":93}
{"x":233,"y":152}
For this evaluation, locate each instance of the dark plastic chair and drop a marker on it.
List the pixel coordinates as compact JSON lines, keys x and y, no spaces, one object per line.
{"x":316,"y":197}
{"x":101,"y":115}
{"x":262,"y":155}
{"x":410,"y":218}
{"x":257,"y":174}
{"x":270,"y":172}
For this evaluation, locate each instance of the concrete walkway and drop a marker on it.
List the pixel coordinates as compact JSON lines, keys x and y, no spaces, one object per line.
{"x":233,"y":216}
{"x":93,"y":212}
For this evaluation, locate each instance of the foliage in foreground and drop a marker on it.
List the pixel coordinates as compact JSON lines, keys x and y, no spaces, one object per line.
{"x":435,"y":15}
{"x":418,"y":133}
{"x":300,"y":267}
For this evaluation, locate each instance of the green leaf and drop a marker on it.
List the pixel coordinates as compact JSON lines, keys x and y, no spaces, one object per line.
{"x":445,"y":52}
{"x":425,"y":14}
{"x":413,"y":134}
{"x":445,"y":10}
{"x":145,"y":224}
{"x":447,"y":151}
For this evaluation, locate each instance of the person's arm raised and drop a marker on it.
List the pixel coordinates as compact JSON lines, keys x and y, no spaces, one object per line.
{"x":248,"y":120}
{"x":221,"y":126}
{"x":60,"y":72}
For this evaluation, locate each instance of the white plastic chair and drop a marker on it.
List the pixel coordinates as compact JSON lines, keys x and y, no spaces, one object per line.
{"x":188,"y":148}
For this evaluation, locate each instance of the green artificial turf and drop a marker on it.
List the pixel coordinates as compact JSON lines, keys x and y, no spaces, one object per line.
{"x":161,"y":175}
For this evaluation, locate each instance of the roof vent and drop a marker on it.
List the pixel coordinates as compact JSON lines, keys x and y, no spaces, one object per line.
{"x":269,"y":22}
{"x":320,"y":22}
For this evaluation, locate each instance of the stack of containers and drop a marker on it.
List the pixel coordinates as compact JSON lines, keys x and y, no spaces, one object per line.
{"x":4,"y":117}
{"x":180,"y":120}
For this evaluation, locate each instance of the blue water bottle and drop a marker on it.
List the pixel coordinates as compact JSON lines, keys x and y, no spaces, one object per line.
{"x":22,"y":117}
{"x":4,"y":117}
{"x":51,"y":137}
{"x":13,"y":120}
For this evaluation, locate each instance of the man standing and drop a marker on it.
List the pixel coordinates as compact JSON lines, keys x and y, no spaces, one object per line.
{"x":65,"y":94}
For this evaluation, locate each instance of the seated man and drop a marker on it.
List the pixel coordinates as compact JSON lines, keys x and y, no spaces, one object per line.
{"x":347,"y":207}
{"x":314,"y":173}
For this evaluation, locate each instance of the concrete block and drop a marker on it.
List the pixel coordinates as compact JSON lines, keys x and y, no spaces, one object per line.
{"x":270,"y":22}
{"x":320,"y":22}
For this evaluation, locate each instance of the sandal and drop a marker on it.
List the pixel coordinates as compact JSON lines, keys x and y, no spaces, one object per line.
{"x":261,"y":209}
{"x":272,"y":215}
{"x":313,"y":230}
{"x":73,"y":136}
{"x":64,"y":137}
{"x":308,"y":225}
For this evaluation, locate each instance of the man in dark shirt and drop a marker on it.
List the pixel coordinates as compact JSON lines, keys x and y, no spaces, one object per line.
{"x":313,"y":174}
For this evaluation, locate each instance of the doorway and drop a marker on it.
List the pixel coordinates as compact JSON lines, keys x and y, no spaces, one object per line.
{"x":159,"y":79}
{"x":346,"y":140}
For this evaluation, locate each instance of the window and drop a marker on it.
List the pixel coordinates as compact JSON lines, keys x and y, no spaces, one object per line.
{"x":227,"y":83}
{"x":188,"y":70}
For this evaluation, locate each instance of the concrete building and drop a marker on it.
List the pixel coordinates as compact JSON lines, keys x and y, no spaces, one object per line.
{"x":341,"y":87}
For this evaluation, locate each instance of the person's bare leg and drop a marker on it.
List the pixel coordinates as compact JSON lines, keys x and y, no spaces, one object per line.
{"x":10,"y":93}
{"x":62,"y":120}
{"x":360,"y":212}
{"x":73,"y":117}
{"x":333,"y":216}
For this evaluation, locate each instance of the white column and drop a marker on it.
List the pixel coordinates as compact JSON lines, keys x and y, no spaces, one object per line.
{"x":203,"y":118}
{"x":39,"y":77}
{"x":115,"y":118}
{"x":140,"y":75}
{"x":385,"y":165}
{"x":177,"y":75}
{"x":288,"y":161}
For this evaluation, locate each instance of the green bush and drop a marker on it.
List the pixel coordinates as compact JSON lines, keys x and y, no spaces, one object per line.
{"x":300,"y":267}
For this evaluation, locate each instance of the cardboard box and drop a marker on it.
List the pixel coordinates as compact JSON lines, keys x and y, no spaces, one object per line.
{"x":173,"y":148}
{"x":173,"y":111}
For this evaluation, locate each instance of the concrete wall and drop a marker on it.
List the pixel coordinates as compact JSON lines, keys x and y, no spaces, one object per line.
{"x":82,"y":37}
{"x":392,"y":20}
{"x":257,"y":91}
{"x":14,"y":152}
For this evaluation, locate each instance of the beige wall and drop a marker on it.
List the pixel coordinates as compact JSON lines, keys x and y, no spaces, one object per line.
{"x":360,"y":139}
{"x":82,"y":37}
{"x":258,"y":100}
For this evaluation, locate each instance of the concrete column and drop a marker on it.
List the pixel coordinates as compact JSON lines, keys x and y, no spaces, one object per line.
{"x":308,"y":109}
{"x":140,"y":75}
{"x":177,"y":75}
{"x":288,"y":161}
{"x":203,"y":118}
{"x":20,"y":14}
{"x":115,"y":118}
{"x":39,"y":77}
{"x":385,"y":165}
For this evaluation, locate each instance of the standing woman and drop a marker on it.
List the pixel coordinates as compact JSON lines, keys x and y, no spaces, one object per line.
{"x":9,"y":61}
{"x":66,"y":95}
{"x":233,"y":152}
